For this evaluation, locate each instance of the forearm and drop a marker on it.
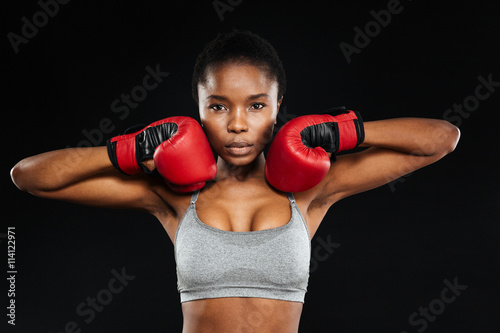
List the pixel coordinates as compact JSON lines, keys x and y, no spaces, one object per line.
{"x":59,"y":168}
{"x":418,"y":136}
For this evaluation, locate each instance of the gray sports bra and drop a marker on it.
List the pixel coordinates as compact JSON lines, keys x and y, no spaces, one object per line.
{"x":213,"y":263}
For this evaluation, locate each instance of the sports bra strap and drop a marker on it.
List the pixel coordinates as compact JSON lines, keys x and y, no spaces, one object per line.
{"x":290,"y":197}
{"x":194,"y":197}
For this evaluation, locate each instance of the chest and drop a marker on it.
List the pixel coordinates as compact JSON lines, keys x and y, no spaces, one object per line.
{"x":243,"y":212}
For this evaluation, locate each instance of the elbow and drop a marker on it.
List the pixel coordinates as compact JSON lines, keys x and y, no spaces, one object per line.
{"x":444,"y":138}
{"x":456,"y":138}
{"x":453,"y":136}
{"x":18,"y":176}
{"x":440,"y":141}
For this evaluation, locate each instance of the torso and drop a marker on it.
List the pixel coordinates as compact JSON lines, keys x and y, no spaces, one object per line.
{"x":230,"y":315}
{"x":227,"y":205}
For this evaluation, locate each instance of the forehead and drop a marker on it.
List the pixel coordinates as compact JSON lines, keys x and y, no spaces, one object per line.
{"x":237,"y":78}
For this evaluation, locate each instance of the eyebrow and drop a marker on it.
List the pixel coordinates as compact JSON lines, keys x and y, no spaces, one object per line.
{"x":224,"y":98}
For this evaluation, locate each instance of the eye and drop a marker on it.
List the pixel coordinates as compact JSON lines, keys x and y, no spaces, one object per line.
{"x":217,"y":107}
{"x":258,"y":106}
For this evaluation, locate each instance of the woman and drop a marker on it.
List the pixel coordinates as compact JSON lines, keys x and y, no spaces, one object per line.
{"x":242,"y":253}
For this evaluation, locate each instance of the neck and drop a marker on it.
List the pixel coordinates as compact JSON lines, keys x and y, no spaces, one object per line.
{"x":228,"y":171}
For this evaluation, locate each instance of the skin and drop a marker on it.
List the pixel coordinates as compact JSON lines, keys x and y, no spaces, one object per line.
{"x":239,"y":102}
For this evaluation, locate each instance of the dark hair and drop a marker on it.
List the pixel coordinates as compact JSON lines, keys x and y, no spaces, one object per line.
{"x":240,"y":47}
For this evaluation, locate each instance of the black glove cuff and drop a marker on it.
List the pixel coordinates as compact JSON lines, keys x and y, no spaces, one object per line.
{"x":112,"y":154}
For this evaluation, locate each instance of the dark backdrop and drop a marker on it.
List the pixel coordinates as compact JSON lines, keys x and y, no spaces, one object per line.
{"x":380,"y":258}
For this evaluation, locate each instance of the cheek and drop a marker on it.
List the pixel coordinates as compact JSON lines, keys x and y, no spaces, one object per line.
{"x":214,"y":134}
{"x":265,"y":133}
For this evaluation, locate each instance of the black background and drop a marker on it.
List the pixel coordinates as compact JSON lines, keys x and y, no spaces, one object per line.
{"x":397,"y":244}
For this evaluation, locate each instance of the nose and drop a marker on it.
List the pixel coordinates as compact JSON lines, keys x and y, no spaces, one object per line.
{"x":238,"y":121}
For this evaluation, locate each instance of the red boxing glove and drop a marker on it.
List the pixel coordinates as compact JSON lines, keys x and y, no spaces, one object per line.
{"x":182,"y":135}
{"x":297,"y":159}
{"x":128,"y":151}
{"x":186,"y":160}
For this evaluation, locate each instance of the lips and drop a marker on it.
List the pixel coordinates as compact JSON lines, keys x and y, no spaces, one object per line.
{"x":239,"y":144}
{"x":239,"y":148}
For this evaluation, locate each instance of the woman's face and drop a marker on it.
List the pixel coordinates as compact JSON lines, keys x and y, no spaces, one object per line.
{"x":238,"y":107}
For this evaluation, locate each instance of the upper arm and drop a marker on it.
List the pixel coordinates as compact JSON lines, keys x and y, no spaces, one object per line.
{"x":112,"y":190}
{"x":358,"y":172}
